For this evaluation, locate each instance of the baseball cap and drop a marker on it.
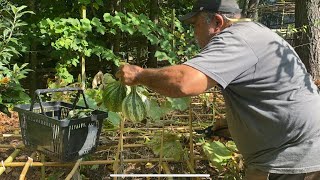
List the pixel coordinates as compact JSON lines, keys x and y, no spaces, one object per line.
{"x":214,"y":6}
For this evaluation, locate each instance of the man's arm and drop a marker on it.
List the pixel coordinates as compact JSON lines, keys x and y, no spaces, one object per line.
{"x":172,"y":81}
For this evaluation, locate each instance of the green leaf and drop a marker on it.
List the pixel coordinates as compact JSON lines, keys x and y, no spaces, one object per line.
{"x":116,"y":20}
{"x":84,"y":2}
{"x":113,"y":31}
{"x":134,"y":19}
{"x":232,"y":146}
{"x":14,"y":9}
{"x":161,"y":55}
{"x":99,"y":2}
{"x":21,"y":8}
{"x":114,"y":118}
{"x":94,"y":167}
{"x":75,"y":62}
{"x":127,"y":28}
{"x":100,"y":28}
{"x":180,"y":103}
{"x":91,"y":102}
{"x":86,"y":26}
{"x":217,"y":153}
{"x":172,"y":147}
{"x":153,"y":39}
{"x":107,"y":17}
{"x":23,"y":13}
{"x":155,"y":112}
{"x":144,"y":29}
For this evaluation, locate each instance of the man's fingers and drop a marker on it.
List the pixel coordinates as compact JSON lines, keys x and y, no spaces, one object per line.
{"x":118,"y":74}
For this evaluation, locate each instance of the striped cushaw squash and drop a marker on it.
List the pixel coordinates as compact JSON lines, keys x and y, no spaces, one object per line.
{"x":133,"y":107}
{"x":113,"y":95}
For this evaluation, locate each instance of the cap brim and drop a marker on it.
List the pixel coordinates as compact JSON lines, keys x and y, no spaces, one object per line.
{"x":186,"y":18}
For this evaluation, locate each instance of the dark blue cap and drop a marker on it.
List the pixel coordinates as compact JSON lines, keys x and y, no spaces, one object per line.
{"x":214,"y":6}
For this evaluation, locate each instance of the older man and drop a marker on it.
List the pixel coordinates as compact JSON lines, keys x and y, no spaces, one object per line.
{"x":273,"y":108}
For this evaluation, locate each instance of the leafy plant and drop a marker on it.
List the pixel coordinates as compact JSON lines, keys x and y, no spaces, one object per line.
{"x":225,"y":158}
{"x":141,"y":25}
{"x":10,"y":46}
{"x":172,"y":148}
{"x":72,"y":38}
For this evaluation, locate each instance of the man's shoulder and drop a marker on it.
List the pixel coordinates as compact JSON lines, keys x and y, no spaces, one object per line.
{"x":247,"y":28}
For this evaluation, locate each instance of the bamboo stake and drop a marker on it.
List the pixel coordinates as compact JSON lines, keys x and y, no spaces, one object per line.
{"x":170,"y":127}
{"x":83,"y":60}
{"x":190,"y":167}
{"x":119,"y":151}
{"x":191,"y":136}
{"x":121,"y":146}
{"x":9,"y":160}
{"x":88,"y":163}
{"x":124,"y":146}
{"x":166,"y":169}
{"x":74,"y":169}
{"x":26,"y":166}
{"x":43,"y":168}
{"x":184,"y":115}
{"x":161,"y":152}
{"x":8,"y":146}
{"x":10,"y":135}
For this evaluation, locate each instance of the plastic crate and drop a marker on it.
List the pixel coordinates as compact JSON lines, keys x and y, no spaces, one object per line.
{"x":45,"y":127}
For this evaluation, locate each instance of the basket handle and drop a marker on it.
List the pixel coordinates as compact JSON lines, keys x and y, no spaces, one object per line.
{"x":42,"y":91}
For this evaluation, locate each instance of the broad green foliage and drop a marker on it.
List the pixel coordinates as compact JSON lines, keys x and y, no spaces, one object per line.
{"x":224,"y":157}
{"x":217,"y":153}
{"x":10,"y":46}
{"x":180,"y":104}
{"x":141,"y":25}
{"x":156,"y":112}
{"x":172,"y":147}
{"x":10,"y":24}
{"x":72,"y":38}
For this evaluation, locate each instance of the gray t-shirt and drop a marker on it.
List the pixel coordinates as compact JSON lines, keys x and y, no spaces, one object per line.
{"x":273,"y":108}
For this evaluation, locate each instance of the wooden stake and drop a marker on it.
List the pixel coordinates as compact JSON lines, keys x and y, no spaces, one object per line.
{"x":43,"y":168}
{"x":119,"y":151}
{"x":9,"y":160}
{"x":161,"y":151}
{"x":11,"y":135}
{"x":26,"y":166}
{"x":191,"y":147}
{"x":166,"y":169}
{"x":59,"y":164}
{"x":8,"y":146}
{"x":74,"y":169}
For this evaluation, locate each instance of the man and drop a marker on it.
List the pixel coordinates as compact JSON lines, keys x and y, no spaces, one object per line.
{"x":273,"y":108}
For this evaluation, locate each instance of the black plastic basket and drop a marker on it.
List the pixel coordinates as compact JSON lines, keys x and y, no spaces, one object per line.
{"x":45,"y":127}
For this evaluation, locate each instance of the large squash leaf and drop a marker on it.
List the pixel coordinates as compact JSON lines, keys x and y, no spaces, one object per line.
{"x":172,"y":147}
{"x":217,"y":153}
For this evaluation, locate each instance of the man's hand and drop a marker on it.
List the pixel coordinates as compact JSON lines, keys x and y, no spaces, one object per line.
{"x":128,"y":74}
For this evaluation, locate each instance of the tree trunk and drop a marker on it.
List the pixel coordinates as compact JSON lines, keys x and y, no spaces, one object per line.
{"x":83,"y":60}
{"x":152,"y":61}
{"x":307,"y":43}
{"x":244,"y":7}
{"x":33,"y":57}
{"x":253,"y":9}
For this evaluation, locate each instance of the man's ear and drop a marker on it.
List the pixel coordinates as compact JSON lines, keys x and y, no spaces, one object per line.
{"x":219,"y":21}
